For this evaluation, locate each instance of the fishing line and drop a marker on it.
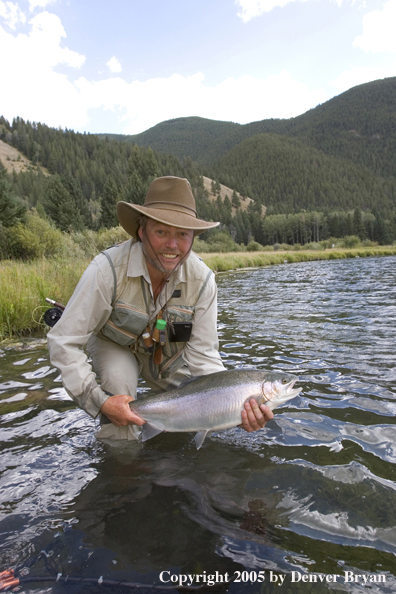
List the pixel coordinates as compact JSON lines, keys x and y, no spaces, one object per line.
{"x":11,"y":578}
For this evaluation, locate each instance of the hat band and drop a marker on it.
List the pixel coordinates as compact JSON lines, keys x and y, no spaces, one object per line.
{"x":169,"y":205}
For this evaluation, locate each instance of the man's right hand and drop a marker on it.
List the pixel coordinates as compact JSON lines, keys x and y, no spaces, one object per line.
{"x":117,"y":410}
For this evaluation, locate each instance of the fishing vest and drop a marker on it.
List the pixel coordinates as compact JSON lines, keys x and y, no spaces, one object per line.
{"x":131,"y":297}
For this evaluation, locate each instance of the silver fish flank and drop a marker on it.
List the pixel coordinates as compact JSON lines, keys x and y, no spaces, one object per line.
{"x":212,"y":402}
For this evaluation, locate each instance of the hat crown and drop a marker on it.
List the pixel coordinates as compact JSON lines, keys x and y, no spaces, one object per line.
{"x":171,"y":193}
{"x":170,"y":201}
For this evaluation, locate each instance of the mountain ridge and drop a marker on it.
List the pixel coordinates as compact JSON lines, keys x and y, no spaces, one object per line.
{"x":358,"y":125}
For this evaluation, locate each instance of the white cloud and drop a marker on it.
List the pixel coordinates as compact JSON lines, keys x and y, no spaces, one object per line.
{"x":253,"y":8}
{"x":114,"y":65}
{"x":40,"y":93}
{"x":39,"y":3}
{"x":11,"y":13}
{"x":250,"y":9}
{"x":241,"y":100}
{"x":379,"y":30}
{"x":44,"y":42}
{"x":35,"y":90}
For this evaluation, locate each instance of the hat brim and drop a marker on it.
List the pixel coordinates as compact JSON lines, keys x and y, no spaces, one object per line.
{"x":128,"y":216}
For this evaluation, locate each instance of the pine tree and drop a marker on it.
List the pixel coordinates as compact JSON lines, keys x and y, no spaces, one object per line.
{"x":111,"y":196}
{"x":358,"y":225}
{"x":12,"y":209}
{"x":59,"y":205}
{"x":81,"y":203}
{"x":236,"y":203}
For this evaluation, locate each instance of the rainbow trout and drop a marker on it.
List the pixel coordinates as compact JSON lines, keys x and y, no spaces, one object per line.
{"x":212,"y":402}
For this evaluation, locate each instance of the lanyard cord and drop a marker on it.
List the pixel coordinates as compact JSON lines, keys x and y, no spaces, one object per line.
{"x":156,"y":352}
{"x":165,"y":276}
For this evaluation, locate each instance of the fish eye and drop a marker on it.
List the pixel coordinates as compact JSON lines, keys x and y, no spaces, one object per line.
{"x":284,"y":381}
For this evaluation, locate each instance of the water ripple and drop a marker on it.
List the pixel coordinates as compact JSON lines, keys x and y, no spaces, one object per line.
{"x":315,"y":491}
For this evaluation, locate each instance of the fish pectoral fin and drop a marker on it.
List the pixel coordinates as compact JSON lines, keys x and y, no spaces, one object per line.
{"x":200,"y":437}
{"x":149,"y":431}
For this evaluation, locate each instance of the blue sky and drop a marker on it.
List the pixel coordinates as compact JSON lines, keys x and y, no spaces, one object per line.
{"x":126,"y":65}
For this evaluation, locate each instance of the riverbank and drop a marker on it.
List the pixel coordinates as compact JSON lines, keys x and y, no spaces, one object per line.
{"x":25,"y":285}
{"x":233,"y":261}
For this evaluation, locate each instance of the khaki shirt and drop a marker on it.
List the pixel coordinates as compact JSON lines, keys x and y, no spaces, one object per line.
{"x":90,"y":307}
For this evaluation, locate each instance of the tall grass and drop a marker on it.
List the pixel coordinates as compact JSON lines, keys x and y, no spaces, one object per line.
{"x":24,"y":287}
{"x":233,"y":261}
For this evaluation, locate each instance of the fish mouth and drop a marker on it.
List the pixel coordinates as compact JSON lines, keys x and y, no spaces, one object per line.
{"x":277,"y":391}
{"x":289,"y":391}
{"x":289,"y":388}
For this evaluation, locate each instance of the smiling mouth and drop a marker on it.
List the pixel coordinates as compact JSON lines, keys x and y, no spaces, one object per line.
{"x":169,"y":256}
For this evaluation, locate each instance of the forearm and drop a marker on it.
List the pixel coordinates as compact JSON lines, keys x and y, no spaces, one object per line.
{"x":85,"y":314}
{"x":78,"y":378}
{"x":201,"y":352}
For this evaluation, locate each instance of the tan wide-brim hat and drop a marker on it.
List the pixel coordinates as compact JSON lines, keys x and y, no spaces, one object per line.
{"x":169,"y":200}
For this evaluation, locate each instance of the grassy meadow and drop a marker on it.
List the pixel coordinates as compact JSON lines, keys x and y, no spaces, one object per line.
{"x":25,"y":285}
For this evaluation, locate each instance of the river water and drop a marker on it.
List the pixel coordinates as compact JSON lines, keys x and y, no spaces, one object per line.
{"x":309,"y":502}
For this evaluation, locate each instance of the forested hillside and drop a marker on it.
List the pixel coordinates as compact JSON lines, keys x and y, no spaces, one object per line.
{"x":358,"y":125}
{"x":333,"y":159}
{"x":87,"y":175}
{"x":75,"y":181}
{"x":199,"y":138}
{"x":288,"y":176}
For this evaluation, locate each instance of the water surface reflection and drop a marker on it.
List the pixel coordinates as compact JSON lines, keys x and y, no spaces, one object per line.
{"x":313,"y":492}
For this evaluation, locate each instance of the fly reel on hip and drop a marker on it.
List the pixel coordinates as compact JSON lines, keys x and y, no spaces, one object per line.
{"x":52,"y":315}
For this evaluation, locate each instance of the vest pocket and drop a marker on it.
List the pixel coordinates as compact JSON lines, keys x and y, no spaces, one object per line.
{"x":180,"y":313}
{"x":125,"y":324}
{"x":177,"y":314}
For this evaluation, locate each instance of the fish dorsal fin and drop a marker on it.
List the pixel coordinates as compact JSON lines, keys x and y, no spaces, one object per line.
{"x":200,"y":437}
{"x":189,"y":380}
{"x":148,"y":431}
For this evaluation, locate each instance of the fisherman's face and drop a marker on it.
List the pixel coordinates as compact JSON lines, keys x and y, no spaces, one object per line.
{"x":165,"y":246}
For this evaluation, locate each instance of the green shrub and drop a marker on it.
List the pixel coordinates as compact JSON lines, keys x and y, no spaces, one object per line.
{"x":282,"y":246}
{"x":35,"y":239}
{"x":109,"y":237}
{"x":222,"y":242}
{"x":254,"y":246}
{"x":91,"y":243}
{"x":200,"y":246}
{"x":313,"y":246}
{"x":350,"y":241}
{"x":5,"y":243}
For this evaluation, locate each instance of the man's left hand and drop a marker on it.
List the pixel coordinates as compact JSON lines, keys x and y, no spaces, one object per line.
{"x":254,"y":417}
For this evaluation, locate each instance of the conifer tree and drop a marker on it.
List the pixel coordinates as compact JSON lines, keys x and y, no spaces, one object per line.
{"x":111,"y":196}
{"x":12,"y":209}
{"x":60,"y":207}
{"x":74,"y":189}
{"x":358,"y":225}
{"x":236,"y":203}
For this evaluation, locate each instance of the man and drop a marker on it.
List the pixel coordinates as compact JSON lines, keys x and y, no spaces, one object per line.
{"x":145,"y":307}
